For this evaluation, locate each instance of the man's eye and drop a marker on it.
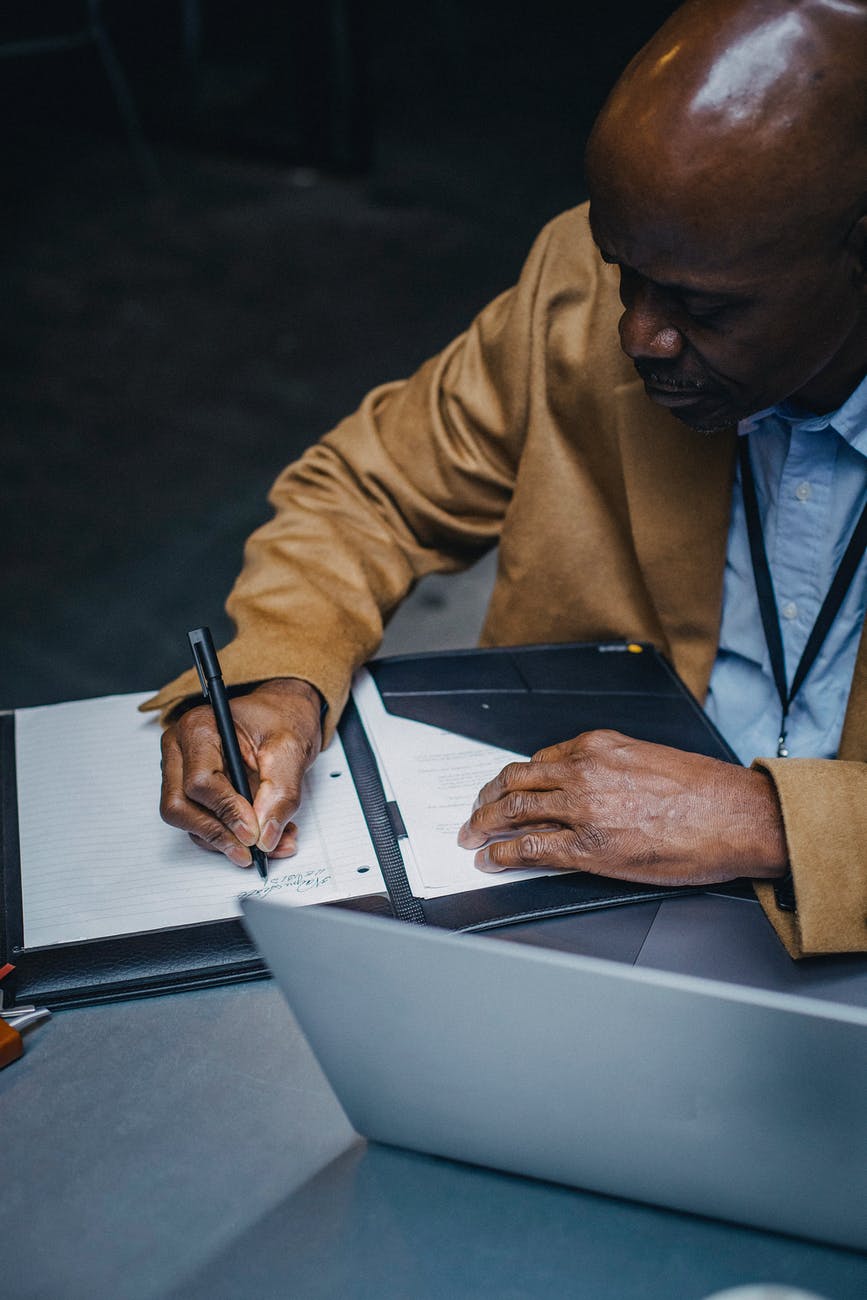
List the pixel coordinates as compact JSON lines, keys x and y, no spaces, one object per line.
{"x":705,"y":313}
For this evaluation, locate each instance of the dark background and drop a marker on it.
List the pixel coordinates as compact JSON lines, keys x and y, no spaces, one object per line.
{"x":321,"y":196}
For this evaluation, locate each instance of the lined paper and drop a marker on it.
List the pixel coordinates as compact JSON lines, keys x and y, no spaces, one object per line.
{"x":96,"y":860}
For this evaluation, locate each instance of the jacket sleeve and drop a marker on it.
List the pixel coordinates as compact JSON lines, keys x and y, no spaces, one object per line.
{"x":824,"y":806}
{"x":417,"y":480}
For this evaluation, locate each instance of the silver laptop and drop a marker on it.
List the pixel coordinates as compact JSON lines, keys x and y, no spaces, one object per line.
{"x":700,"y":1073}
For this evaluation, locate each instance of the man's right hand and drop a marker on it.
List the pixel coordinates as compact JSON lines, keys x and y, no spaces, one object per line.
{"x":279,"y":732}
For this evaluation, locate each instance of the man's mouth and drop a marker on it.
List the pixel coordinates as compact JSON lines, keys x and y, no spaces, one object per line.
{"x":667,"y":395}
{"x":668,"y":392}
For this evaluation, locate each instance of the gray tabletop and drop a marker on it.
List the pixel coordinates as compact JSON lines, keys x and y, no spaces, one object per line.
{"x":190,"y":1146}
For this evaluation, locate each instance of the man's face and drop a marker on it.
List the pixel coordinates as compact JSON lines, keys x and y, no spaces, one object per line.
{"x":726,"y":313}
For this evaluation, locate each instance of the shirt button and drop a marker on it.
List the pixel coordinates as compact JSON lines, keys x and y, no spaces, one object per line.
{"x":803,"y":491}
{"x":789,"y":610}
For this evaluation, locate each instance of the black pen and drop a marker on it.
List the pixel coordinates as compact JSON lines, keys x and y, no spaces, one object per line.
{"x":211,"y":677}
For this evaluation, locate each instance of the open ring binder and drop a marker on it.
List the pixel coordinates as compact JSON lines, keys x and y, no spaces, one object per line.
{"x":521,"y":698}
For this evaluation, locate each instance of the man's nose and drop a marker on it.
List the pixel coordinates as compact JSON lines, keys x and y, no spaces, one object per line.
{"x":646,"y":331}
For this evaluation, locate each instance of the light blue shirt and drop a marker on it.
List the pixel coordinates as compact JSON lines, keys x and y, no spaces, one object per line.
{"x":811,"y":483}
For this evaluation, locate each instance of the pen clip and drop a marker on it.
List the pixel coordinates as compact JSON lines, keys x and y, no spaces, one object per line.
{"x":197,"y":645}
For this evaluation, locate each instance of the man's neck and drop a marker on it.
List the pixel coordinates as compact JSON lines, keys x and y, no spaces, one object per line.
{"x":828,"y":390}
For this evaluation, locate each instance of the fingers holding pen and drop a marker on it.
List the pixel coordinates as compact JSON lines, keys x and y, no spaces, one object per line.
{"x":198,"y":798}
{"x":288,"y":737}
{"x":282,"y":762}
{"x":278,"y":732}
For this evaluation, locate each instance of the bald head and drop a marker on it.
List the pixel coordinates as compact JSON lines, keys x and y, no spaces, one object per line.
{"x":767,"y":95}
{"x":735,"y":138}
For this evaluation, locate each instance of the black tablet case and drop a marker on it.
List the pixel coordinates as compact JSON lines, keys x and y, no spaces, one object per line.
{"x":519,"y":698}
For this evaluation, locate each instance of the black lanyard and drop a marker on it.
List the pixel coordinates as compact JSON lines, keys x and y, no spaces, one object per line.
{"x":768,"y":605}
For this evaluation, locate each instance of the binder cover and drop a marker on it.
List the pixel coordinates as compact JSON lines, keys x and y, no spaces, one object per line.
{"x":519,"y":698}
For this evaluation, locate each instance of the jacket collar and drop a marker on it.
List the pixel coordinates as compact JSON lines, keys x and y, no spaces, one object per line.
{"x":678,"y":487}
{"x":678,"y":491}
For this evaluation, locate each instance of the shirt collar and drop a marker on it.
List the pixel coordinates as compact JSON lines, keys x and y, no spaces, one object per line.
{"x":849,"y":420}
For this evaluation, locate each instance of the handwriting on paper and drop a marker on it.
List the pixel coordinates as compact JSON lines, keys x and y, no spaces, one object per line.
{"x":298,"y":882}
{"x":96,"y":860}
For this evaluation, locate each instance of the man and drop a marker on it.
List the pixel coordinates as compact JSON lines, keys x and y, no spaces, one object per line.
{"x":728,"y":183}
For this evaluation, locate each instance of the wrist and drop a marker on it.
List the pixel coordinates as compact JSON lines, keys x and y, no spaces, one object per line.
{"x":290,"y":686}
{"x":766,"y":855}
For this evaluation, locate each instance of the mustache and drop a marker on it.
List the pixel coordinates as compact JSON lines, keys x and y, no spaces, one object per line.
{"x":657,"y":378}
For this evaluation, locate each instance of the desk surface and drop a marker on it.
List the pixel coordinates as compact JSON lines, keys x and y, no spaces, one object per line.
{"x":190,"y":1146}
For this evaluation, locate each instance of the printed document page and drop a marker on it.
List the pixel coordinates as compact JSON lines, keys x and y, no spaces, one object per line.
{"x":96,"y":860}
{"x":433,"y":776}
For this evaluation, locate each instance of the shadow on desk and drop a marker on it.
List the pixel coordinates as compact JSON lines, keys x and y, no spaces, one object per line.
{"x":380,"y":1222}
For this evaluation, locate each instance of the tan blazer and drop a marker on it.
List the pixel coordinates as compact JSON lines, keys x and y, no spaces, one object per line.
{"x":532,"y":430}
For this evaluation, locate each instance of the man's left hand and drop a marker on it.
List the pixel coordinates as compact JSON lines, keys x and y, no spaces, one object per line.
{"x":626,"y":808}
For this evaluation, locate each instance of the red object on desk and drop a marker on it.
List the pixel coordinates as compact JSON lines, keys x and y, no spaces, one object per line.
{"x":11,"y":1046}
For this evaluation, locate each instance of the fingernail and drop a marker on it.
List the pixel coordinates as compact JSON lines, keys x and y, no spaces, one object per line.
{"x":244,"y":833}
{"x":270,"y":836}
{"x":468,"y":838}
{"x":482,"y":862}
{"x":240,"y":856}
